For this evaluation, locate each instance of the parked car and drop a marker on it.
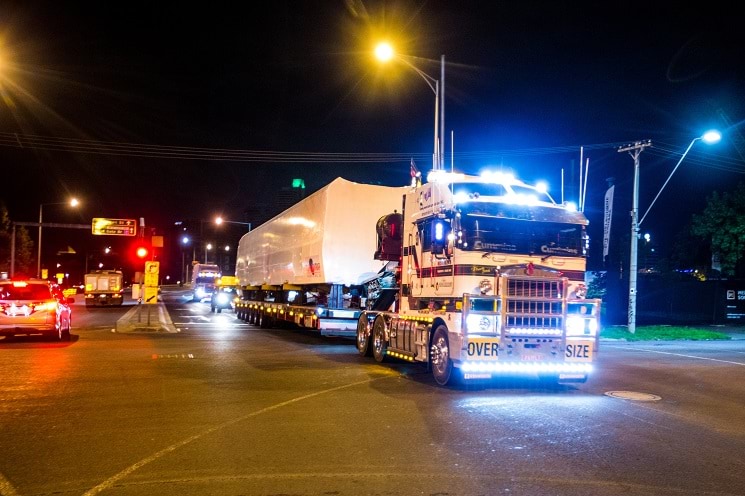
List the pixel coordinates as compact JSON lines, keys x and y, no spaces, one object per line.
{"x":34,"y":306}
{"x":223,"y":298}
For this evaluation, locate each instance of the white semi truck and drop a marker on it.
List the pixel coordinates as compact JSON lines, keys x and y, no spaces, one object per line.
{"x":204,"y":278}
{"x":474,"y":276}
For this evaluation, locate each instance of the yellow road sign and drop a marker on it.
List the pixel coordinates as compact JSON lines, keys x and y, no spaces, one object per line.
{"x":150,"y":297}
{"x":114,"y":227}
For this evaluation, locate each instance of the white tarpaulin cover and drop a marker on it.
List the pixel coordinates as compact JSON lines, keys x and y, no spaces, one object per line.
{"x":328,"y":237}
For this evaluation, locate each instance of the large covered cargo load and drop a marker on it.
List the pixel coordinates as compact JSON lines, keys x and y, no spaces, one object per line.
{"x":325,"y":238}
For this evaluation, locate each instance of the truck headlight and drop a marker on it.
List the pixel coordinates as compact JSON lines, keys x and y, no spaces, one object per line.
{"x":581,"y":326}
{"x":477,"y":323}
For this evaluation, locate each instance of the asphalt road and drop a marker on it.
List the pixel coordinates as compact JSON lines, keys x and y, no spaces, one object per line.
{"x":221,"y":407}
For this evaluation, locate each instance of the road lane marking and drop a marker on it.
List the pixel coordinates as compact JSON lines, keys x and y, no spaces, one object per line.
{"x":679,"y":354}
{"x":209,"y":323}
{"x":108,"y":483}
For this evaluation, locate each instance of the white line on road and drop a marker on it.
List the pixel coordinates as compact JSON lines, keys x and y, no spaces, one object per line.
{"x":188,"y":322}
{"x":679,"y":354}
{"x":108,"y":483}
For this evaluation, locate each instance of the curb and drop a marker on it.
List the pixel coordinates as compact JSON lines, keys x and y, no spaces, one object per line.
{"x":146,"y":319}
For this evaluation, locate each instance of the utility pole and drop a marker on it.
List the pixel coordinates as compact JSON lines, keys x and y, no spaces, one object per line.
{"x":634,"y":150}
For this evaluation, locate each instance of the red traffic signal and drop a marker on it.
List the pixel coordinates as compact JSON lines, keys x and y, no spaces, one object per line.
{"x":141,"y":250}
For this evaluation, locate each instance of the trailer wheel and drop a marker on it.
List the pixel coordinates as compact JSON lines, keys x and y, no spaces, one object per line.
{"x":439,"y":357}
{"x":266,"y":320}
{"x":364,"y":337}
{"x":379,"y":342}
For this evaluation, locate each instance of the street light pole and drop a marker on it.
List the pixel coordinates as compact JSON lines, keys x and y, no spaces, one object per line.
{"x":73,"y":203}
{"x":709,"y":137}
{"x":38,"y":244}
{"x":384,"y":52}
{"x":220,"y":220}
{"x":442,"y":112}
{"x":634,"y":150}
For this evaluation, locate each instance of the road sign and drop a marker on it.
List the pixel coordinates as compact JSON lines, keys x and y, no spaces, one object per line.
{"x":151,"y":273}
{"x":150,"y":296}
{"x":114,"y":227}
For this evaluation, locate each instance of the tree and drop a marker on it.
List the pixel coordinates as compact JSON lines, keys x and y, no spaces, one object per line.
{"x":24,"y":257}
{"x":5,"y":227}
{"x":722,"y":223}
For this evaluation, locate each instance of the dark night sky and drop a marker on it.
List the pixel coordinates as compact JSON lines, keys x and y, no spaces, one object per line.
{"x":527,"y":84}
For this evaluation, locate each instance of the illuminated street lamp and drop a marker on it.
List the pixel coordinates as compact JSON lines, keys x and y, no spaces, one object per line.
{"x":220,"y":221}
{"x":207,"y":249}
{"x":384,"y":52}
{"x":73,"y":203}
{"x":634,"y":150}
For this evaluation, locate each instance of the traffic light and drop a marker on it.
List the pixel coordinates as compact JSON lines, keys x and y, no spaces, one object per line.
{"x":141,"y":250}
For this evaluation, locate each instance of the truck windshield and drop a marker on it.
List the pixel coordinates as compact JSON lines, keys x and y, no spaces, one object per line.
{"x":477,"y":190}
{"x":522,"y":236}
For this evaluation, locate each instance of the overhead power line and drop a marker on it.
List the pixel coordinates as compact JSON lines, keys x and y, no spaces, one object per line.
{"x":75,"y":145}
{"x":142,"y":150}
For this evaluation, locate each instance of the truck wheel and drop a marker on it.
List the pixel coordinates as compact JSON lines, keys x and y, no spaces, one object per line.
{"x":265,"y":322}
{"x":439,"y":357}
{"x":379,"y":343}
{"x":363,"y":336}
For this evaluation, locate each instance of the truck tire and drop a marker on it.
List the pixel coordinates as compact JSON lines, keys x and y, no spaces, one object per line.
{"x":439,"y":358}
{"x":265,"y":321}
{"x":379,"y":341}
{"x":364,"y":336}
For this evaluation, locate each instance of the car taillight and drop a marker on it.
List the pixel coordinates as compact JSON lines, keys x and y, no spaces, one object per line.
{"x":27,"y":309}
{"x":47,"y":306}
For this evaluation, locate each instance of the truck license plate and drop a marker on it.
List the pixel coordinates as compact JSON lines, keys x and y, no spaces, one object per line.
{"x":578,"y":351}
{"x":486,"y":349}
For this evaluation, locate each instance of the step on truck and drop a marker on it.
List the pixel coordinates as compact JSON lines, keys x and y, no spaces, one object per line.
{"x":475,"y":277}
